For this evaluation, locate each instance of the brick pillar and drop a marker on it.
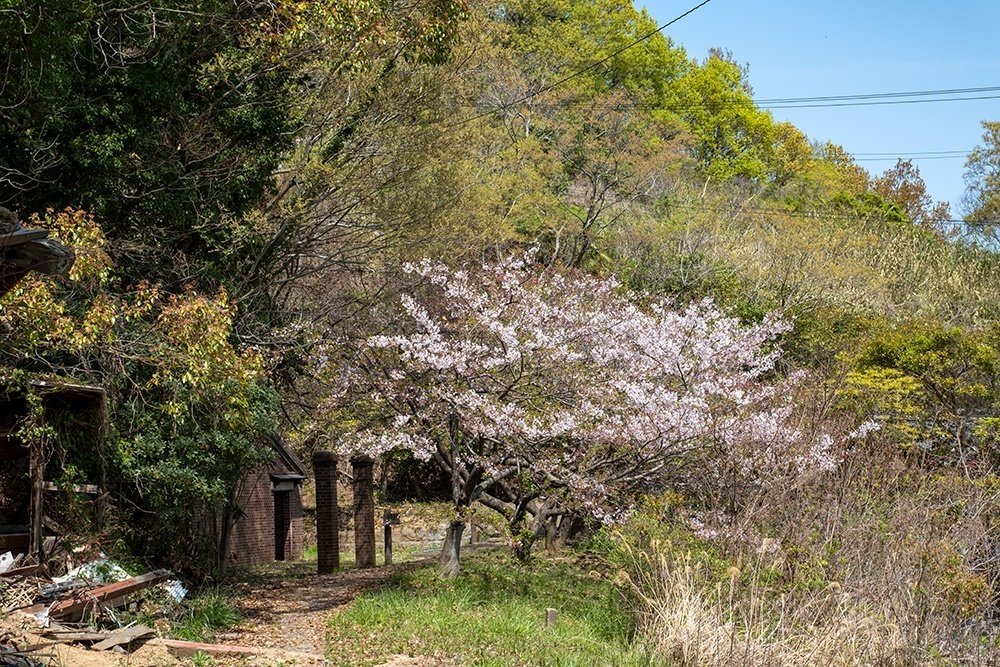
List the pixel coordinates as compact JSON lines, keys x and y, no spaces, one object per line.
{"x":364,"y":513}
{"x":327,"y":528}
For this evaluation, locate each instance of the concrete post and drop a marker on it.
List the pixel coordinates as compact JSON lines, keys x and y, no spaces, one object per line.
{"x":327,"y":513}
{"x":364,"y":513}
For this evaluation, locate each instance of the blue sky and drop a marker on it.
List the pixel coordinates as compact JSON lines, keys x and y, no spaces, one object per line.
{"x":809,"y":48}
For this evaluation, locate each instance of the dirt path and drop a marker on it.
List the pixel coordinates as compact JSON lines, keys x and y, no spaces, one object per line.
{"x":287,"y":605}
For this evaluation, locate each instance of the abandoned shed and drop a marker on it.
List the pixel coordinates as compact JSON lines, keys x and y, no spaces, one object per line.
{"x":42,"y":481}
{"x":66,"y":463}
{"x":40,"y":477}
{"x":270,"y":526}
{"x":68,"y":416}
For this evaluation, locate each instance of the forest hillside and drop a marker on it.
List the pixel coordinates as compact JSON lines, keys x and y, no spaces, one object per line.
{"x":539,"y":256}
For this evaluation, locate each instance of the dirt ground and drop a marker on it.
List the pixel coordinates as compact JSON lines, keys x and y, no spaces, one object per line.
{"x":287,"y":605}
{"x":23,"y":633}
{"x":285,"y":608}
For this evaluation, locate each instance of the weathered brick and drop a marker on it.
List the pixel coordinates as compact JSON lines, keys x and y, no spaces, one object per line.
{"x":327,"y":519}
{"x":253,"y":538}
{"x":364,"y":513}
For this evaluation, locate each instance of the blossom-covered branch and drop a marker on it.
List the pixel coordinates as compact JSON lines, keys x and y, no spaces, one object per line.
{"x":565,"y":392}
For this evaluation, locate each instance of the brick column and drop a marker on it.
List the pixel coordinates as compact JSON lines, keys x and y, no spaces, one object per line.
{"x":327,"y":528}
{"x":364,"y":513}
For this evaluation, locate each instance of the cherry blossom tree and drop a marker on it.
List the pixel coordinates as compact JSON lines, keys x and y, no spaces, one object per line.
{"x":542,"y":393}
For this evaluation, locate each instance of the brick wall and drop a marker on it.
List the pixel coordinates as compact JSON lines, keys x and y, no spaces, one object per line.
{"x":253,"y":534}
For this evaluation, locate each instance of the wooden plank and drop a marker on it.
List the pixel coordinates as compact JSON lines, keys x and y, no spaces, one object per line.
{"x":185,"y":649}
{"x":124,"y":636}
{"x":21,"y":571}
{"x":68,"y":636}
{"x":77,"y":488}
{"x":76,"y":606}
{"x":19,"y":236}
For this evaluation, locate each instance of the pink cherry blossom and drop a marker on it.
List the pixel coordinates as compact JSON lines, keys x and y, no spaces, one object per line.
{"x":549,"y":392}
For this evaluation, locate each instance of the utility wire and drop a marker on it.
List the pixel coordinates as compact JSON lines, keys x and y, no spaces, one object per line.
{"x":799,"y":103}
{"x":815,"y":101}
{"x":810,"y":215}
{"x":870,"y":103}
{"x":910,"y":157}
{"x":573,"y":75}
{"x":864,"y":96}
{"x":905,"y":153}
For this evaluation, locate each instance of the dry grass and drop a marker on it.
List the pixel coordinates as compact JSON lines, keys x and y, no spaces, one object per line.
{"x":688,"y":621}
{"x":882,"y":564}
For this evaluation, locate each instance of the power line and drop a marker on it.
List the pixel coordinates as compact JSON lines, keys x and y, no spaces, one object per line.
{"x":905,"y":153}
{"x":909,"y":157}
{"x":863,"y":96}
{"x":800,"y":103}
{"x":573,"y":75}
{"x":810,"y":102}
{"x":810,"y":215}
{"x":871,"y":103}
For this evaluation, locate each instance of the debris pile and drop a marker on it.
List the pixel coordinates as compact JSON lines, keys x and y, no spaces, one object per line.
{"x":88,"y":607}
{"x":96,"y":615}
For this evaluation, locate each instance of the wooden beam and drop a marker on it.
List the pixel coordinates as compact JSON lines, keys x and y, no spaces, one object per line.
{"x":185,"y":649}
{"x":124,"y":636}
{"x":19,"y":236}
{"x":21,"y":571}
{"x":36,"y":508}
{"x":77,"y":488}
{"x":68,"y":636}
{"x":75,"y":607}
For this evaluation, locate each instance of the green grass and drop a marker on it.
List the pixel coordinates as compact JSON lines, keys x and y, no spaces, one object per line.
{"x":492,"y":615}
{"x":203,"y":615}
{"x":401,"y":554}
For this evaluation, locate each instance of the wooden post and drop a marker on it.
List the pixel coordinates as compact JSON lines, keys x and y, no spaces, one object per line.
{"x":472,"y":531}
{"x":388,"y":543}
{"x":364,"y":513}
{"x":36,"y":509}
{"x":550,"y":617}
{"x":389,"y":519}
{"x":36,"y":473}
{"x":327,"y":513}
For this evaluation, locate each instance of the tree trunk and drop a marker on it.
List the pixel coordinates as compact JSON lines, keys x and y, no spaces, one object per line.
{"x":228,"y":521}
{"x":225,"y":532}
{"x":448,"y":563}
{"x":550,"y":529}
{"x":525,"y":537}
{"x":569,"y":528}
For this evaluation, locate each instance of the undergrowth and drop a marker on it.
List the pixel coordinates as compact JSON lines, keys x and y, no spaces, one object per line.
{"x":863,"y":567}
{"x":492,"y":615}
{"x":201,"y":616}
